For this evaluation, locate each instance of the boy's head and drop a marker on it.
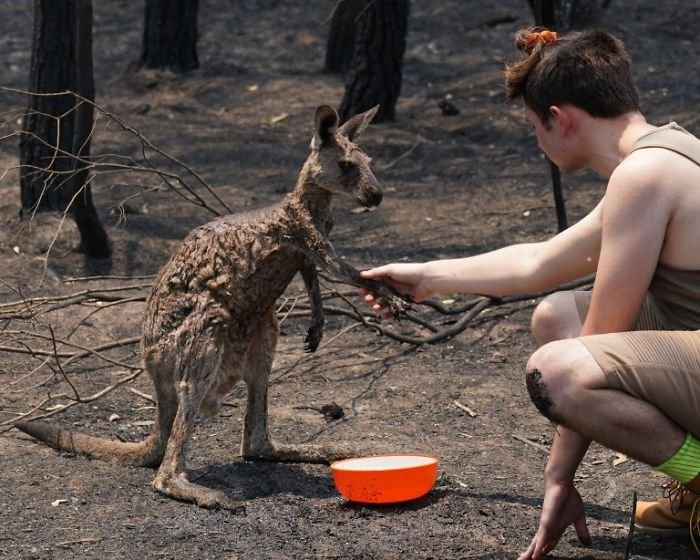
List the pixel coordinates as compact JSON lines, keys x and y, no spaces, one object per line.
{"x":587,"y":69}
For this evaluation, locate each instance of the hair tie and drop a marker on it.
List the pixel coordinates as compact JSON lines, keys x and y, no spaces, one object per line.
{"x":545,"y":36}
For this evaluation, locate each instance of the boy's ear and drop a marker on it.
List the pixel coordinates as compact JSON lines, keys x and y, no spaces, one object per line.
{"x":561,"y":117}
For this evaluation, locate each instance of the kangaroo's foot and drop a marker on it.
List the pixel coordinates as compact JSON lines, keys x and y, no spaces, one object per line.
{"x":299,"y":453}
{"x":178,"y":487}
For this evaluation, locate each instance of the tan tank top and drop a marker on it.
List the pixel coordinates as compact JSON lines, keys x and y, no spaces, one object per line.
{"x":675,"y":293}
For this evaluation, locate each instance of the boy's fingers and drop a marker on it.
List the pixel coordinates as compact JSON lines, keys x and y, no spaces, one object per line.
{"x":582,"y":531}
{"x":527,"y":555}
{"x":372,"y":273}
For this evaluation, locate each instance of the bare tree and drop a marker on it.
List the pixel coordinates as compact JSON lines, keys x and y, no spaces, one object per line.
{"x":377,"y":61}
{"x":55,"y":143}
{"x":564,"y":15}
{"x":170,"y":35}
{"x":341,"y":36}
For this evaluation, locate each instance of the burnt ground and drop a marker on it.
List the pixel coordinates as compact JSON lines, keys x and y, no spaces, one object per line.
{"x":454,"y":185}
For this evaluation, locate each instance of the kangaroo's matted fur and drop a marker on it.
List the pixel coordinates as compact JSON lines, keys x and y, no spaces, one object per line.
{"x":210,"y":319}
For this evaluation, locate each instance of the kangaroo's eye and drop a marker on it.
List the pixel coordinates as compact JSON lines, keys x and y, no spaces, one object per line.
{"x":345,"y":166}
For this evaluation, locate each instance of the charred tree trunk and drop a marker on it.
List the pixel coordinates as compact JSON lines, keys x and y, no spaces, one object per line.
{"x":170,"y":35}
{"x":93,"y":238}
{"x":58,"y":127}
{"x":375,"y":71}
{"x":546,"y":15}
{"x":341,"y":36}
{"x":565,"y":15}
{"x":45,"y":135}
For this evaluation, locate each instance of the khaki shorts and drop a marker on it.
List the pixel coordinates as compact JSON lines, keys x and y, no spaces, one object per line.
{"x":659,"y":366}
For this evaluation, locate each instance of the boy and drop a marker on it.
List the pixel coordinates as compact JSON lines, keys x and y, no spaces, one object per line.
{"x":621,"y":365}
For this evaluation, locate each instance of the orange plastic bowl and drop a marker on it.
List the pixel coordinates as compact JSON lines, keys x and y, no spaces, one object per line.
{"x":385,"y":479}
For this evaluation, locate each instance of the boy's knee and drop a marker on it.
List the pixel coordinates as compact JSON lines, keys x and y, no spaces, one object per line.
{"x":546,"y":380}
{"x":554,"y":318}
{"x":539,"y":394}
{"x":556,"y":375}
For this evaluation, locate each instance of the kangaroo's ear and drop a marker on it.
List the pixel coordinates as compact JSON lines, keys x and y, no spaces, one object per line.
{"x":324,"y":126}
{"x":356,"y":125}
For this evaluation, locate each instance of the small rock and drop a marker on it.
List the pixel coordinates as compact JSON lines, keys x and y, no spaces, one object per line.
{"x":332,"y":412}
{"x":448,"y":108}
{"x":141,"y":109}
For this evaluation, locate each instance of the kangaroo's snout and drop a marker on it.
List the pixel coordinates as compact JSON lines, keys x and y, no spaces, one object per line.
{"x":370,"y":198}
{"x":369,"y":193}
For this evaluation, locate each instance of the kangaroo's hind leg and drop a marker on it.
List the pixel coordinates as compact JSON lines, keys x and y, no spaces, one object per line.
{"x":257,"y":444}
{"x":197,"y":352}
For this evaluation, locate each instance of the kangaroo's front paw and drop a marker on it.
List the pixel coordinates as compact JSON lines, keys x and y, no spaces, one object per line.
{"x":396,"y":303}
{"x":313,"y":338}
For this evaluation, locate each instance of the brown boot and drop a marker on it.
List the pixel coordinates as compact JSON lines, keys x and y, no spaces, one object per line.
{"x":671,"y":514}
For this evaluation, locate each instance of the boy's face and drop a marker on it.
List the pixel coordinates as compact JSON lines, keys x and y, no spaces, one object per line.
{"x":544,"y":133}
{"x":554,"y":140}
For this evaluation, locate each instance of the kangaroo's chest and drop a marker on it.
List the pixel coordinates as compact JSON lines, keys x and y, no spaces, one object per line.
{"x":244,"y":272}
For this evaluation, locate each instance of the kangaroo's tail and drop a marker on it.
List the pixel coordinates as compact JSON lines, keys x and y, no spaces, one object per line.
{"x":146,"y":453}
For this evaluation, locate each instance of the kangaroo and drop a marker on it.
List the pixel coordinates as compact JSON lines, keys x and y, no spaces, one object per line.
{"x":210,"y":319}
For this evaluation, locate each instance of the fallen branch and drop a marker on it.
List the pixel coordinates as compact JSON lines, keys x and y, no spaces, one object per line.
{"x":72,"y":403}
{"x":404,"y":155}
{"x":84,"y":540}
{"x":72,"y":357}
{"x":142,"y":394}
{"x":539,"y":446}
{"x":468,"y":311}
{"x":466,"y":409}
{"x":297,"y":306}
{"x":544,"y":448}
